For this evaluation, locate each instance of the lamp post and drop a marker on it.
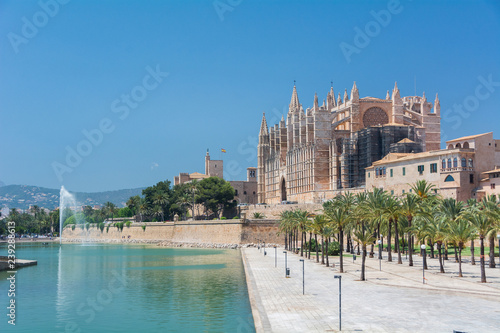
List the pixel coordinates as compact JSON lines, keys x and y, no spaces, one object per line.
{"x":379,"y":255}
{"x":275,"y":256}
{"x":286,"y":268}
{"x":340,"y":300}
{"x":303,"y":283}
{"x":424,"y":262}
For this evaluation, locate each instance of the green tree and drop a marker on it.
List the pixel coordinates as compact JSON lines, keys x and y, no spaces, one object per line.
{"x":215,"y":194}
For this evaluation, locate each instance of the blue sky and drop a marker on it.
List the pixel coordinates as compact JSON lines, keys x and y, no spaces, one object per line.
{"x":69,"y":68}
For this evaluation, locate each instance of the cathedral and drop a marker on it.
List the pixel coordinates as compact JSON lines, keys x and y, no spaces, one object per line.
{"x":312,"y":155}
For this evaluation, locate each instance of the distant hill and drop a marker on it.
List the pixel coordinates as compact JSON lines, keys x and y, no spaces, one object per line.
{"x":22,"y":196}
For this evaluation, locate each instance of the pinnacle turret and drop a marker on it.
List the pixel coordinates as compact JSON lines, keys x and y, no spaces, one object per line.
{"x":339,"y":100}
{"x":354,"y":92}
{"x":388,"y":96}
{"x":294,"y":102}
{"x":395,"y":92}
{"x":346,"y":97}
{"x":437,"y":105}
{"x":264,"y":131}
{"x":316,"y":106}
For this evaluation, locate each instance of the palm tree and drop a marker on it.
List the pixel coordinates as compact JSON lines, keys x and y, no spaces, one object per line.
{"x":339,"y":218}
{"x":484,"y":228}
{"x":318,"y":224}
{"x":472,"y":208}
{"x":392,"y":212}
{"x":461,"y":232}
{"x":160,"y":200}
{"x":450,"y":210}
{"x":411,"y":208}
{"x":491,"y":209}
{"x":372,"y":210}
{"x":301,"y":217}
{"x":439,"y":228}
{"x":423,"y":189}
{"x":363,"y":237}
{"x":110,"y":209}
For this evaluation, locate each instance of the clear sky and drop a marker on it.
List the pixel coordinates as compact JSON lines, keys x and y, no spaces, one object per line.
{"x":105,"y":95}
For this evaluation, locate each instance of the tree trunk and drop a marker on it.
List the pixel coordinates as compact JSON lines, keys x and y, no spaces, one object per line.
{"x":359,"y":250}
{"x":472,"y":259}
{"x":301,"y":244}
{"x":445,"y":251}
{"x":492,"y":252}
{"x":432,"y":249}
{"x":400,"y":260}
{"x":460,"y":261}
{"x":483,"y":272}
{"x":410,"y":243}
{"x":389,"y":245}
{"x":378,"y":236}
{"x":341,"y":234}
{"x":456,"y":253}
{"x":322,"y":251}
{"x":310,"y":245}
{"x":326,"y":254}
{"x":363,"y":260}
{"x":441,"y":268}
{"x":317,"y":252}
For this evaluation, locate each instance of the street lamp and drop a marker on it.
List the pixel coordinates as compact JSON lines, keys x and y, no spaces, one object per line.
{"x":303,"y":284}
{"x":275,"y":256}
{"x":424,"y":262}
{"x":286,"y":268}
{"x":340,"y":300}
{"x":380,"y":253}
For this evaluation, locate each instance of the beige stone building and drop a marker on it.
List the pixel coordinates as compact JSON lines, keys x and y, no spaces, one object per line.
{"x":455,"y":171}
{"x":489,"y":184}
{"x":245,"y":191}
{"x":313,"y":154}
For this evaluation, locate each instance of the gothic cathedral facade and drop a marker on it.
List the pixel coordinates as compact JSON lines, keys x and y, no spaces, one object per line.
{"x":314,"y":154}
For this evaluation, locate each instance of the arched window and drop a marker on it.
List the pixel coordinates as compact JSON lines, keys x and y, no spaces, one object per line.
{"x":455,"y":162}
{"x":471,"y":164}
{"x":464,"y":162}
{"x":449,"y":163}
{"x":376,"y":172}
{"x":458,"y":145}
{"x":449,"y":178}
{"x":466,"y":145}
{"x":443,"y":165}
{"x":383,"y":170}
{"x":450,"y":146}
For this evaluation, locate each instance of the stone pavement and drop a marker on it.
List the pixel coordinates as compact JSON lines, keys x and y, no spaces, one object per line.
{"x":392,"y":300}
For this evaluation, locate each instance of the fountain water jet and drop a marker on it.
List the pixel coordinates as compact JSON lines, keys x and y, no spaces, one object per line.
{"x":66,"y":200}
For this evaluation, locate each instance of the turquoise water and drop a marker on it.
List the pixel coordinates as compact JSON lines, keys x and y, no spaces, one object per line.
{"x":127,"y":288}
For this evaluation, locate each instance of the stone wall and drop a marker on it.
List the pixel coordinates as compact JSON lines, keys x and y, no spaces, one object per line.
{"x":274,"y":211}
{"x":208,"y":232}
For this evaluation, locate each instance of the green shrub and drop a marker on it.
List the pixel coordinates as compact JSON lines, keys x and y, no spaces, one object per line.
{"x":313,"y":245}
{"x":144,"y":227}
{"x":334,"y":249}
{"x":87,"y":226}
{"x":128,"y":223}
{"x":107,"y":228}
{"x":82,"y":226}
{"x":223,"y":218}
{"x":235,"y":218}
{"x":73,"y":227}
{"x":119,"y":225}
{"x":101,"y":226}
{"x":258,"y":215}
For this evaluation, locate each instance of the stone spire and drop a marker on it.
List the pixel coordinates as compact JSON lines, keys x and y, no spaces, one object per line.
{"x":264,"y":131}
{"x":388,"y":96}
{"x":354,"y":92}
{"x":346,"y":97}
{"x":294,"y":102}
{"x":437,"y":105}
{"x":424,"y":98}
{"x":339,"y":100}
{"x":332,"y":95}
{"x":395,"y":94}
{"x":316,"y":106}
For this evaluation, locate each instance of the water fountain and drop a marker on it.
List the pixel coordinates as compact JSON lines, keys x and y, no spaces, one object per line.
{"x":66,"y":200}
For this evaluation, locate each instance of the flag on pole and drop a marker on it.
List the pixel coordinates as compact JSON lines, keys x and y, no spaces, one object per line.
{"x":223,"y":150}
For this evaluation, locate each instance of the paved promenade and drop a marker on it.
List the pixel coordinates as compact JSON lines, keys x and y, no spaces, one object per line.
{"x":392,"y":300}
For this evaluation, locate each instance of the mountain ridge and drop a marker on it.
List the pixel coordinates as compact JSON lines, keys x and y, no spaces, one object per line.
{"x":22,"y":196}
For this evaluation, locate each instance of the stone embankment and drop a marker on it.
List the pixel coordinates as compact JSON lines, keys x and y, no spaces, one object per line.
{"x":164,"y":243}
